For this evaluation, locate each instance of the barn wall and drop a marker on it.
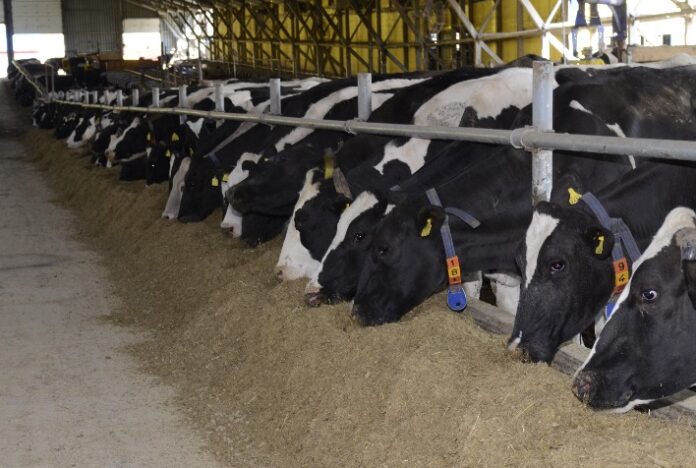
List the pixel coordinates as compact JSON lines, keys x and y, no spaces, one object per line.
{"x":282,"y":36}
{"x":91,"y":26}
{"x":37,"y":17}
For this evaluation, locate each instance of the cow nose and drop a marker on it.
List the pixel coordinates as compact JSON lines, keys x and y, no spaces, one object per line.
{"x":583,"y":385}
{"x":313,"y":298}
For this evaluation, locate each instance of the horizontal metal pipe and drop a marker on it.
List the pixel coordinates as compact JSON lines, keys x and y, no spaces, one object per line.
{"x":526,"y":138}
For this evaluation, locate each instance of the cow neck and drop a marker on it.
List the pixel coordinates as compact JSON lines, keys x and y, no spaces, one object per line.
{"x":623,"y":238}
{"x":456,"y":297}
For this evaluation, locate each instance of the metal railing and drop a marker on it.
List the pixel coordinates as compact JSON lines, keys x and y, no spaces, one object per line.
{"x":538,"y":139}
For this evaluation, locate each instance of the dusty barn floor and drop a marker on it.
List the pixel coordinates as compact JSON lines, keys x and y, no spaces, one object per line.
{"x":264,"y":380}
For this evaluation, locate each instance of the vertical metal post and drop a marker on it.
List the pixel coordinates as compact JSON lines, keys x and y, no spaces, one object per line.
{"x":364,"y":95}
{"x":135,"y":97}
{"x":85,"y":97}
{"x":182,"y":101}
{"x":219,"y":98}
{"x":155,"y":97}
{"x":542,"y":119}
{"x":119,"y":97}
{"x":199,"y":65}
{"x":274,"y":85}
{"x":95,"y":97}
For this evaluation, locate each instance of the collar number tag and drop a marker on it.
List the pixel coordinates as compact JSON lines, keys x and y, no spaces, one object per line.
{"x":456,"y":297}
{"x":621,"y":274}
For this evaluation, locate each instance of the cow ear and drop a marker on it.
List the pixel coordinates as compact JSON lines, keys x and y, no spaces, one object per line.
{"x":429,"y":220}
{"x":599,"y":240}
{"x":686,"y":240}
{"x":567,"y":190}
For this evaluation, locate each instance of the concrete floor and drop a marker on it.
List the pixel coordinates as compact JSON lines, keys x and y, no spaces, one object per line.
{"x":69,"y":395}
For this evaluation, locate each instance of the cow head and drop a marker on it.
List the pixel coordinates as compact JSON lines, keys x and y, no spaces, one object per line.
{"x":405,"y":264}
{"x":567,"y":275}
{"x":273,"y":187}
{"x":202,"y":193}
{"x":647,"y":349}
{"x":337,"y":277}
{"x":317,"y":218}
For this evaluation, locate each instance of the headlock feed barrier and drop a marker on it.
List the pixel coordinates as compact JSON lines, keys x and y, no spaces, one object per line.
{"x":538,"y":139}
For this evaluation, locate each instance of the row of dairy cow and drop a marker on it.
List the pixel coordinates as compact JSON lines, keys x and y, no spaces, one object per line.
{"x":386,"y":222}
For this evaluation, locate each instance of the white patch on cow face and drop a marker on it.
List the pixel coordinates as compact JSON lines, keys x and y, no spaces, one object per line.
{"x":488,"y":96}
{"x":171,"y":210}
{"x":676,"y":220}
{"x":577,"y":106}
{"x":362,"y":203}
{"x":541,"y":227}
{"x":232,"y":221}
{"x":196,"y":126}
{"x":389,"y":209}
{"x":238,"y":174}
{"x":412,"y":153}
{"x":115,"y":140}
{"x":319,"y":109}
{"x":295,"y":261}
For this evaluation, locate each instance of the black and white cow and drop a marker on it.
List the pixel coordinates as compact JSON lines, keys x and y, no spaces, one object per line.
{"x":228,"y":135}
{"x":647,"y":349}
{"x":636,"y":102}
{"x":273,"y":187}
{"x":456,"y":98}
{"x":566,"y":261}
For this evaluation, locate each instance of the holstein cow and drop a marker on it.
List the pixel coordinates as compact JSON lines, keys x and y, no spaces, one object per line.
{"x":462,"y":97}
{"x":223,"y":142}
{"x":541,"y":325}
{"x":647,"y":349}
{"x":273,"y":188}
{"x":569,"y":268}
{"x":406,"y":261}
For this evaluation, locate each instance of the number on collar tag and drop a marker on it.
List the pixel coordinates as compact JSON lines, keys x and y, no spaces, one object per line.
{"x":621,"y":274}
{"x":456,"y":298}
{"x":454,"y":273}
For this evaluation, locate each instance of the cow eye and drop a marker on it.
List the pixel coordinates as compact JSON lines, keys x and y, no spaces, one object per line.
{"x":382,"y":250}
{"x":557,"y":266}
{"x":358,"y":237}
{"x":648,"y":295}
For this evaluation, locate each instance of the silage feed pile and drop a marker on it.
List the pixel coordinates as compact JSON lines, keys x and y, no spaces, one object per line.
{"x":272,"y":383}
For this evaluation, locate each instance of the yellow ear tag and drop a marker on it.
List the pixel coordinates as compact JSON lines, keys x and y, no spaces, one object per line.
{"x":215,"y":182}
{"x":425,"y":232}
{"x":328,"y":166}
{"x":599,"y":250}
{"x":175,"y":137}
{"x":190,"y":151}
{"x":226,"y":178}
{"x":167,"y":154}
{"x":574,"y":196}
{"x":149,"y":137}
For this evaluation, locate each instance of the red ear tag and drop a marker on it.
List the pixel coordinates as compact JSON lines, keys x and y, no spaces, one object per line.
{"x":454,"y":273}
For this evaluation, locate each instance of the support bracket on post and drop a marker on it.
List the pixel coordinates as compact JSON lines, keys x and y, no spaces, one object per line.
{"x":542,"y":120}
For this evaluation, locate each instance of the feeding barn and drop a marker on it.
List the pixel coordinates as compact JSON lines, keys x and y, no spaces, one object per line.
{"x":314,"y":233}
